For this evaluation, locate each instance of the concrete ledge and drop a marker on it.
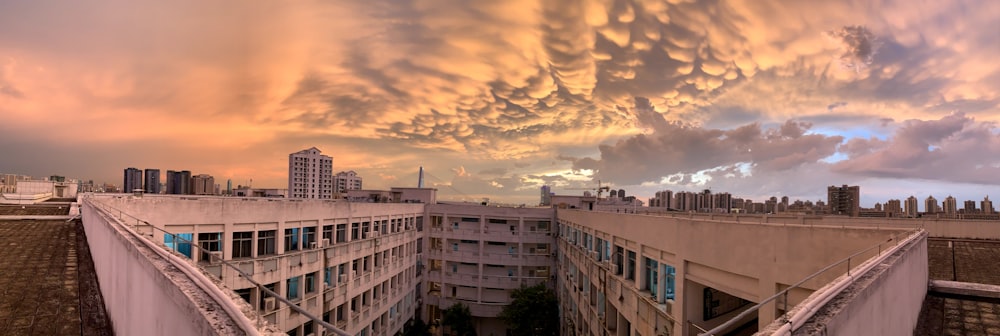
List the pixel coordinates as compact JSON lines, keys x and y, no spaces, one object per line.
{"x":964,"y":288}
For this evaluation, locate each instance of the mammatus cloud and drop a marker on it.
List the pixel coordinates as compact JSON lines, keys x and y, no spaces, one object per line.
{"x":859,"y":46}
{"x":727,"y":86}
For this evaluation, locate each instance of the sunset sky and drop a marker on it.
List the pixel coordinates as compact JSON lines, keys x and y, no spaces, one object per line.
{"x":496,"y":98}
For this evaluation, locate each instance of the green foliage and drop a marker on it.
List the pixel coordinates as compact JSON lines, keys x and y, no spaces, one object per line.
{"x":416,"y":327}
{"x":533,"y":311}
{"x":459,"y":320}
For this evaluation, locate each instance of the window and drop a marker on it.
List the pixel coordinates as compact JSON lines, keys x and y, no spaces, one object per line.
{"x":650,"y":282}
{"x":355,"y":231}
{"x":265,"y":243}
{"x":180,"y":242}
{"x":210,"y":242}
{"x":311,"y":282}
{"x":341,"y":233}
{"x":328,"y":233}
{"x":291,"y":239}
{"x":384,"y":229}
{"x":366,"y":263}
{"x":630,"y":270}
{"x":327,"y":275}
{"x":242,"y":244}
{"x":308,"y":237}
{"x":244,"y":294}
{"x":619,"y":255}
{"x":293,"y":288}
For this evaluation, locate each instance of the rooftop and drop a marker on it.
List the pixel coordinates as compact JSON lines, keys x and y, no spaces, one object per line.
{"x":948,"y":314}
{"x":34,"y":210}
{"x":48,"y":282}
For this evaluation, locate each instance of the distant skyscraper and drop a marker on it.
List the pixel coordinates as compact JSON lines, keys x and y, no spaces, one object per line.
{"x":950,"y":205}
{"x":986,"y":205}
{"x":229,"y":186}
{"x":894,"y":206}
{"x":546,"y":195}
{"x":911,"y":207}
{"x":133,"y":180}
{"x":179,"y":182}
{"x":931,"y":205}
{"x":346,"y":180}
{"x":844,"y":200}
{"x":152,"y":181}
{"x":203,"y":184}
{"x":9,"y":183}
{"x":970,"y":206}
{"x":310,"y":174}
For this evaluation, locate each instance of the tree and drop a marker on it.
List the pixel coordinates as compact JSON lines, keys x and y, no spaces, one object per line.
{"x":533,"y":311}
{"x":416,"y":327}
{"x":459,"y":320}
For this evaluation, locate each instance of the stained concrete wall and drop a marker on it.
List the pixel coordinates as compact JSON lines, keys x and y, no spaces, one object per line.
{"x":884,"y":301}
{"x":143,"y":293}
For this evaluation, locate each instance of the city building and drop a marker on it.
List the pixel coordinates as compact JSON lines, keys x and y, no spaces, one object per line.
{"x":844,"y":200}
{"x":950,"y":206}
{"x":133,"y":179}
{"x":477,"y":254}
{"x":911,"y":207}
{"x":894,"y":207}
{"x":310,"y":175}
{"x":987,"y":206}
{"x":346,"y":180}
{"x":179,"y":182}
{"x":8,"y":183}
{"x":152,"y":181}
{"x":546,"y":198}
{"x":203,"y":184}
{"x":931,"y":205}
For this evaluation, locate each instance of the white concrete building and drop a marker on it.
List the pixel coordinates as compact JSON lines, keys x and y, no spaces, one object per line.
{"x":310,"y":175}
{"x":346,"y":180}
{"x":476,"y":255}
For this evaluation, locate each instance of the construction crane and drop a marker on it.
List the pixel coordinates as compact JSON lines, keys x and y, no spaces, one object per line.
{"x":599,"y":189}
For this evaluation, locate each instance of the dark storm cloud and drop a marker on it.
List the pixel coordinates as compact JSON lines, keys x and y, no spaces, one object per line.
{"x":953,"y":148}
{"x":678,"y":148}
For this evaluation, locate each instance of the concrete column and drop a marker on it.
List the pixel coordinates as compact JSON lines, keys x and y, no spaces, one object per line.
{"x":682,"y":311}
{"x":766,"y":314}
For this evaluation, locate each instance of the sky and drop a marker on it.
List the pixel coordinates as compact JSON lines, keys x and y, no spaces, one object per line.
{"x":494,"y":99}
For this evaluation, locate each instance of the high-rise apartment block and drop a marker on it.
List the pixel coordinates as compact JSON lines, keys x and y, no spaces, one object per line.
{"x":133,"y":180}
{"x":844,"y":200}
{"x":8,"y":183}
{"x":179,"y":182}
{"x":310,"y":174}
{"x":346,"y":180}
{"x":203,"y":185}
{"x":931,"y":205}
{"x":911,"y":207}
{"x":986,"y":205}
{"x":152,"y":181}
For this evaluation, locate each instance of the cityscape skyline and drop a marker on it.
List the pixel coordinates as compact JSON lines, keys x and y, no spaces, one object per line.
{"x":893,"y":96}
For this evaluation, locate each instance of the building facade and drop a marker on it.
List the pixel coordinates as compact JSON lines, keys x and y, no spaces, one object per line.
{"x":133,"y":179}
{"x":152,"y":181}
{"x":203,"y":184}
{"x":310,"y":175}
{"x":477,"y":255}
{"x":179,"y":182}
{"x":844,"y":200}
{"x":346,"y":180}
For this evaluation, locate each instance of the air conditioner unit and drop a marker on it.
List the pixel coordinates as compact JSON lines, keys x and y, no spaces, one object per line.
{"x":374,"y":234}
{"x":270,"y":304}
{"x":326,"y":242}
{"x":354,"y":274}
{"x":312,"y":245}
{"x":343,"y":278}
{"x":593,"y":255}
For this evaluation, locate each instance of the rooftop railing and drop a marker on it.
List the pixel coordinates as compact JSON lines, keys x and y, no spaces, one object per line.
{"x":140,"y":224}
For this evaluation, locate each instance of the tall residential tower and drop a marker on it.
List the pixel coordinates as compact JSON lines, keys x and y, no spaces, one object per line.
{"x":310,"y":174}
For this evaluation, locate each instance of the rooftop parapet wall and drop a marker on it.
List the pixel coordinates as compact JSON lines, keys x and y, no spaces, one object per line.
{"x":732,"y":254}
{"x":166,"y":210}
{"x":935,"y":227}
{"x":150,"y":292}
{"x":882,"y":297}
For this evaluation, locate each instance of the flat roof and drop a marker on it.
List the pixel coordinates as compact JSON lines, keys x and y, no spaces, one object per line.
{"x":35,"y":210}
{"x":48,"y":282}
{"x":946,"y":314}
